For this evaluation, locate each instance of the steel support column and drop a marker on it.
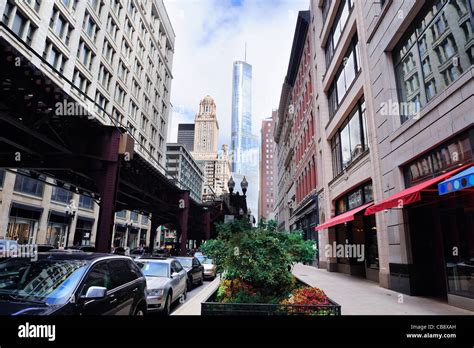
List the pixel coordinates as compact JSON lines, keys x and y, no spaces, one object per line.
{"x":183,"y":216}
{"x":207,"y":224}
{"x":107,"y":182}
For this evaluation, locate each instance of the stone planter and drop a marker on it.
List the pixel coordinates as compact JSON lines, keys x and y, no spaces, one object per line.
{"x":211,"y":307}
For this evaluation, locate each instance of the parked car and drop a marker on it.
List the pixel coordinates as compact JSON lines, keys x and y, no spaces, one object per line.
{"x":85,"y":248}
{"x":166,"y":282}
{"x":210,"y":268}
{"x":138,"y":253}
{"x":72,"y":283}
{"x":194,"y":269}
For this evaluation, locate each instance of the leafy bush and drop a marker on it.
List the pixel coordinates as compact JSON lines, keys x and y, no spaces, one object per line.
{"x":257,"y":259}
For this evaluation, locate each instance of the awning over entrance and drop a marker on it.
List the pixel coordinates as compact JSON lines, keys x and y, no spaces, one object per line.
{"x":411,"y":194}
{"x":460,"y":181}
{"x":345,"y":217}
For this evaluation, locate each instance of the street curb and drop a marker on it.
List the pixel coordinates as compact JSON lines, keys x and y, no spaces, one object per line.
{"x":193,"y":307}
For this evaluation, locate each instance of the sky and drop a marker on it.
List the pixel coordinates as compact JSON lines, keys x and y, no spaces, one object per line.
{"x":210,"y":36}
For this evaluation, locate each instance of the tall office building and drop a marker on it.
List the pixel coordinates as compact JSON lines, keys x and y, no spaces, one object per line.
{"x":267,"y":193}
{"x":118,"y":53}
{"x":216,"y":166}
{"x":245,"y":146}
{"x":186,"y":135}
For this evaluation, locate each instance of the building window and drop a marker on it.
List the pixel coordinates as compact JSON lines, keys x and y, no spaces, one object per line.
{"x":25,"y":184}
{"x":446,"y":157}
{"x":134,"y":216}
{"x":85,"y":55}
{"x":60,"y":26}
{"x":86,"y":202}
{"x":144,"y":220}
{"x":344,"y":78}
{"x":61,"y":195}
{"x":54,"y":57}
{"x":356,"y":198}
{"x":431,"y":55}
{"x":18,"y":22}
{"x":121,"y":214}
{"x":337,"y":28}
{"x":89,"y":26}
{"x":351,"y":139}
{"x":81,"y":82}
{"x":70,"y":4}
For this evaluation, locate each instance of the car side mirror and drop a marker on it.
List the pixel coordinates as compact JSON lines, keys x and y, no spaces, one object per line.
{"x":174,"y":274}
{"x":95,"y":293}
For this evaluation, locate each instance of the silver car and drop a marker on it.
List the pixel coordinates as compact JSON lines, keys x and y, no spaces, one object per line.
{"x":166,"y":282}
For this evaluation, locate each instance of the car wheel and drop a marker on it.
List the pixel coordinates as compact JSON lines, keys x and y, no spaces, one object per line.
{"x":139,"y":312}
{"x":167,"y":309}
{"x":185,"y":293}
{"x":201,"y":281}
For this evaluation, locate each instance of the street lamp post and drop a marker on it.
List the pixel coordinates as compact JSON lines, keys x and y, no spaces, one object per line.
{"x":128,"y":224}
{"x":71,"y":210}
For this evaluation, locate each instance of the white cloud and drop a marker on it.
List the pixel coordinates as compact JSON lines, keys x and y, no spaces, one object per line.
{"x":210,"y":36}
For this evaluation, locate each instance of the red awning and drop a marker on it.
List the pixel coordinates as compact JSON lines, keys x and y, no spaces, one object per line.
{"x":340,"y":219}
{"x":411,"y":194}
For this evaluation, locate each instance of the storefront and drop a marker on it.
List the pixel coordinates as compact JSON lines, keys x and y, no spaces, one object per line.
{"x":143,"y":233}
{"x":353,"y":236}
{"x":23,"y":223}
{"x":438,"y":210}
{"x":57,"y":232}
{"x":133,"y":238}
{"x":119,"y":236}
{"x":83,"y":233}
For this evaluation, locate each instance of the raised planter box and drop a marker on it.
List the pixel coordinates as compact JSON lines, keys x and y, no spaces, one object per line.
{"x":210,"y":307}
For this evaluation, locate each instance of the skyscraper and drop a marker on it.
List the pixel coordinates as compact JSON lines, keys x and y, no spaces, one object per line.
{"x":186,"y":135}
{"x":266,"y":197}
{"x":215,"y":165}
{"x":245,"y":145}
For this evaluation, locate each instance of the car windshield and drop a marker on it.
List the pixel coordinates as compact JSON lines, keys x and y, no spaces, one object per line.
{"x":185,"y":262}
{"x":45,"y":280}
{"x":207,"y":261}
{"x":200,"y":258}
{"x":155,"y":269}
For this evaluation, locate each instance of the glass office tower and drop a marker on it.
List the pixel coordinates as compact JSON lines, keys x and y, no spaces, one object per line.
{"x":245,"y":146}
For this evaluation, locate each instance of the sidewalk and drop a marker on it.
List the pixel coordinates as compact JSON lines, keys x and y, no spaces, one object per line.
{"x":359,"y":296}
{"x":193,"y":306}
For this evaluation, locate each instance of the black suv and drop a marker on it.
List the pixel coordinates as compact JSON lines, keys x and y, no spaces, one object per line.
{"x":68,"y":283}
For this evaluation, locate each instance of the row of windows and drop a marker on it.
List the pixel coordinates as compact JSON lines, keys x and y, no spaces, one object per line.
{"x":433,"y":53}
{"x":30,"y":186}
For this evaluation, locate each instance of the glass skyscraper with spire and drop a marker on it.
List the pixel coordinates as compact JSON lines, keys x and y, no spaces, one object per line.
{"x":245,"y":145}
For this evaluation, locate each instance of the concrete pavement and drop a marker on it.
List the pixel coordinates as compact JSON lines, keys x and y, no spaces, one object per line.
{"x":192,"y":306}
{"x":358,"y":296}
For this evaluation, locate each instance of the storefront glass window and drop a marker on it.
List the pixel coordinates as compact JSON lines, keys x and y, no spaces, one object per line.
{"x":446,"y":157}
{"x":21,"y":230}
{"x":458,"y":233}
{"x":56,"y":234}
{"x":83,"y":232}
